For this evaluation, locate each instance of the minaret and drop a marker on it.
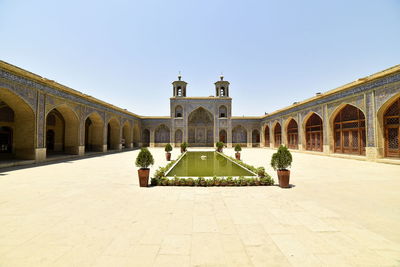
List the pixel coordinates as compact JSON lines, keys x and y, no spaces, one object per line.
{"x":222,"y":88}
{"x":179,"y":87}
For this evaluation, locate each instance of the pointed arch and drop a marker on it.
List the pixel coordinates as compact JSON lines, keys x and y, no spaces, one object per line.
{"x":239,"y":135}
{"x":113,"y":134}
{"x":178,"y":137}
{"x":178,"y":111}
{"x":201,"y":127}
{"x":94,"y":132}
{"x":223,"y":136}
{"x":127,"y":135}
{"x":277,"y":134}
{"x":267,"y":139}
{"x":347,"y":125}
{"x":222,"y":111}
{"x":389,"y":128}
{"x":162,"y":135}
{"x":292,"y":133}
{"x":18,"y":132}
{"x":313,"y":129}
{"x":62,"y":130}
{"x":146,"y":138}
{"x":255,"y":138}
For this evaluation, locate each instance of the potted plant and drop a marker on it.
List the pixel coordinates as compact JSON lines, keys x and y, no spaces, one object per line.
{"x":144,"y":160}
{"x":281,"y":161}
{"x":168,"y":149}
{"x":238,"y":148}
{"x":183,"y":147}
{"x":220,"y":146}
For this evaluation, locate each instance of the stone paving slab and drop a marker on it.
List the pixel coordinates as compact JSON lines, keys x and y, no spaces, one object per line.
{"x":91,"y":212}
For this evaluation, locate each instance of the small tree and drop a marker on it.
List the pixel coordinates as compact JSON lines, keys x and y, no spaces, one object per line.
{"x":168,"y":148}
{"x":238,"y":148}
{"x":144,"y":159}
{"x":184,"y":146}
{"x":219,"y":145}
{"x":282,"y":159}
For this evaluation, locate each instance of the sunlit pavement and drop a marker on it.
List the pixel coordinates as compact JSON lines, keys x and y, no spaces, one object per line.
{"x":91,"y":212}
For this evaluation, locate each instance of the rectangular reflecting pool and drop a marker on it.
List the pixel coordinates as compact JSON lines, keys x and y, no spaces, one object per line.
{"x":206,"y":164}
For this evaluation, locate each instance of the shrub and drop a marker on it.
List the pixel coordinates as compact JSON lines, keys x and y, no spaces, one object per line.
{"x":230,"y":181}
{"x":171,"y":182}
{"x":168,"y":148}
{"x":190,"y":181}
{"x":201,"y":181}
{"x":160,"y":172}
{"x":251,"y":181}
{"x":282,"y":159}
{"x":261,"y":171}
{"x":182,"y":181}
{"x":219,"y":145}
{"x":267,"y":180}
{"x":155,"y":181}
{"x":238,"y":148}
{"x":217,"y":181}
{"x":144,"y":159}
{"x":223,"y":182}
{"x":210,"y":182}
{"x":242,"y":181}
{"x":164,"y":181}
{"x":184,"y":145}
{"x":176,"y":180}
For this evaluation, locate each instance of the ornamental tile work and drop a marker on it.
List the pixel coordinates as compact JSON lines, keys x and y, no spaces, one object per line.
{"x":370,"y":94}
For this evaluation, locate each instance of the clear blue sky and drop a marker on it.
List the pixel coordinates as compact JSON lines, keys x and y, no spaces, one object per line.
{"x":273,"y":52}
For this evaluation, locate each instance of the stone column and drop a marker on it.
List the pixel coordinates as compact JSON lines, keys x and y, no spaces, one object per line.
{"x":325,"y":130}
{"x":249,"y":138}
{"x":40,"y":149}
{"x":371,"y":127}
{"x":152,"y":137}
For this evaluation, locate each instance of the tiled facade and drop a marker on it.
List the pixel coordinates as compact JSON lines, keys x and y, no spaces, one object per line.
{"x":91,"y":124}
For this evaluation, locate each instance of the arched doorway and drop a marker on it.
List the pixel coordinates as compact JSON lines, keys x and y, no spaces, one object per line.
{"x":277,"y":135}
{"x":239,"y":136}
{"x":62,"y":131}
{"x":222,"y":136}
{"x":349,"y":131}
{"x":201,"y":128}
{"x":113,"y":134}
{"x":178,"y":137}
{"x":126,"y":135}
{"x":162,"y":135}
{"x":6,"y":131}
{"x":93,"y":133}
{"x":146,"y":138}
{"x":314,"y":133}
{"x":293,"y":134}
{"x":255,"y":138}
{"x":55,"y":132}
{"x":267,"y":139}
{"x":17,"y":127}
{"x":6,"y":140}
{"x":391,"y":119}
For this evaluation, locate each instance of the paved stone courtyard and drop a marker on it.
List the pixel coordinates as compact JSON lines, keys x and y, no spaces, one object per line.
{"x":91,"y":212}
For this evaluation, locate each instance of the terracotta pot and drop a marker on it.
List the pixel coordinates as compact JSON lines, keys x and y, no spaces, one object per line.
{"x":144,"y":177}
{"x":237,"y":155}
{"x":219,"y":150}
{"x":168,"y":156}
{"x":183,"y":150}
{"x":284,"y":177}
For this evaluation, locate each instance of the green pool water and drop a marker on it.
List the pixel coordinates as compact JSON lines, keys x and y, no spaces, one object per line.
{"x":191,"y":165}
